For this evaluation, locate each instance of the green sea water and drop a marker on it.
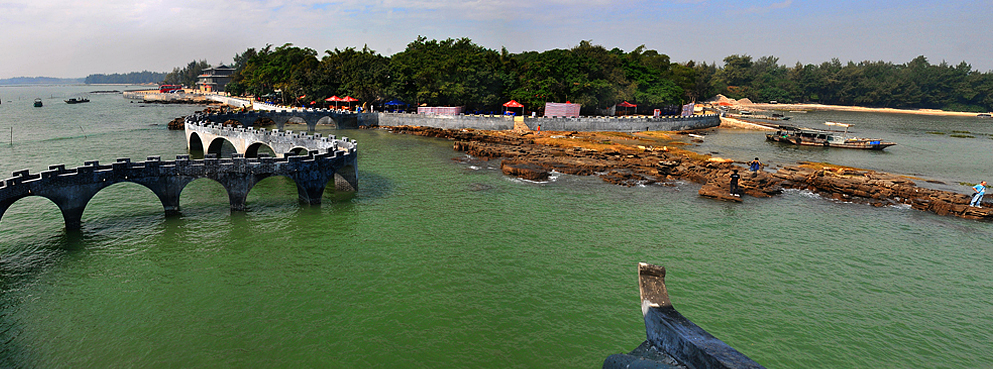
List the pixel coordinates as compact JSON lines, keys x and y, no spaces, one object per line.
{"x":439,"y":260}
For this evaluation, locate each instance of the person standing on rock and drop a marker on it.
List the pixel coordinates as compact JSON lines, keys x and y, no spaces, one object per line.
{"x":754,"y":165}
{"x":734,"y":183}
{"x":977,"y":198}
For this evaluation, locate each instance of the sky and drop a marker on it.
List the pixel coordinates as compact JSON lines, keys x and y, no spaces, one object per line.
{"x":73,"y":39}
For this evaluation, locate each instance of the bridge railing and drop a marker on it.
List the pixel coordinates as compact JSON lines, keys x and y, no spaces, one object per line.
{"x":200,"y":123}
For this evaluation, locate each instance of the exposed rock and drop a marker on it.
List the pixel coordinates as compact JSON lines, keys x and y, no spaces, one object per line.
{"x":631,"y":163}
{"x":714,"y":191}
{"x":526,"y":171}
{"x":177,"y":124}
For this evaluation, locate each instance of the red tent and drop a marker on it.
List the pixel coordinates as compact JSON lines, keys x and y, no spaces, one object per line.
{"x":514,"y":104}
{"x":334,"y":98}
{"x":349,"y":100}
{"x":626,"y":104}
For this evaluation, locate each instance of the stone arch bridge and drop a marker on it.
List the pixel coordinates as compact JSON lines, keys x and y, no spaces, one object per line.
{"x":312,"y":117}
{"x":326,"y":159}
{"x":203,"y":136}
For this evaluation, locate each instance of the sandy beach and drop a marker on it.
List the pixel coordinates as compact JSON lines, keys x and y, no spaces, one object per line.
{"x":816,"y":107}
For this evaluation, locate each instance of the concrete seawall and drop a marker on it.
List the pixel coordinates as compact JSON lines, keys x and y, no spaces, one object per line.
{"x":501,"y":122}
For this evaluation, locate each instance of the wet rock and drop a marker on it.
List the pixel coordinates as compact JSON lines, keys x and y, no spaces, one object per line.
{"x":631,"y":165}
{"x":713,"y":191}
{"x":177,"y":124}
{"x":526,"y":171}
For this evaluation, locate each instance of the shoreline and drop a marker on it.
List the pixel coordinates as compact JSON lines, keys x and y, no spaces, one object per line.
{"x":656,"y":157}
{"x":821,"y":107}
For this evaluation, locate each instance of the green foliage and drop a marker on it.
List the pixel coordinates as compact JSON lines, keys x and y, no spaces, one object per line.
{"x":363,"y":75}
{"x":457,"y":72}
{"x":287,"y":70}
{"x":448,"y":73}
{"x":917,"y":84}
{"x":127,"y":78}
{"x":597,"y":78}
{"x":186,"y":76}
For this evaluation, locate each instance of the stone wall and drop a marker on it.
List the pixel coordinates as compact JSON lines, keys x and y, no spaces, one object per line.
{"x":232,"y":101}
{"x":502,"y":122}
{"x":312,"y":117}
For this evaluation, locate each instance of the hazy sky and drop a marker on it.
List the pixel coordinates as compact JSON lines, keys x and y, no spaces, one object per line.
{"x":73,"y":39}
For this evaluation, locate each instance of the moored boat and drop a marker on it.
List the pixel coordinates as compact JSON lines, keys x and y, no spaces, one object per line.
{"x":74,"y":100}
{"x":826,"y":138}
{"x":38,"y":103}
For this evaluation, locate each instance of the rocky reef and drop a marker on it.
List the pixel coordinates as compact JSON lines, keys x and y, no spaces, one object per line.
{"x":656,"y":157}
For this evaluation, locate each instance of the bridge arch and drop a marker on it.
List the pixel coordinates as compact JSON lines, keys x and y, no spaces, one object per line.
{"x":263,"y":122}
{"x":129,"y":189}
{"x":35,"y":206}
{"x":299,"y":150}
{"x":215,"y":190}
{"x":194,"y":143}
{"x":218,"y":144}
{"x":296,"y":120}
{"x":327,"y":120}
{"x":257,"y":148}
{"x":281,"y":185}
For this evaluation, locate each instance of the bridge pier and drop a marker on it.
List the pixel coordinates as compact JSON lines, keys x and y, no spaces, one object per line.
{"x":72,"y":202}
{"x":167,"y":189}
{"x":310,"y":192}
{"x":310,"y":160}
{"x":346,"y":179}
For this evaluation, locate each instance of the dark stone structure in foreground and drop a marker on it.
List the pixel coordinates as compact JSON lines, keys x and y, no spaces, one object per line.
{"x":673,"y":341}
{"x":312,"y":169}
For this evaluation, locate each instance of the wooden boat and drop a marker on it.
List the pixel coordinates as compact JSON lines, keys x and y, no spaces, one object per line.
{"x":74,"y":100}
{"x":826,"y":138}
{"x":763,"y":117}
{"x":37,"y":103}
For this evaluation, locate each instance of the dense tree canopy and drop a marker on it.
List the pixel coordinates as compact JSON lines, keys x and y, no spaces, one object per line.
{"x":917,"y":84}
{"x":457,"y":72}
{"x":127,"y":78}
{"x":187,"y":76}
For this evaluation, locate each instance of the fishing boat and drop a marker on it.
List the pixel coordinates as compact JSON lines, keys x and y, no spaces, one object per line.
{"x":37,"y":103}
{"x":826,"y":138}
{"x":73,"y":100}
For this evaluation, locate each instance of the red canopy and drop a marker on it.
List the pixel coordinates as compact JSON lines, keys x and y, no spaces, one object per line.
{"x":626,"y":105}
{"x":349,"y":99}
{"x":513,"y":104}
{"x":333,"y":98}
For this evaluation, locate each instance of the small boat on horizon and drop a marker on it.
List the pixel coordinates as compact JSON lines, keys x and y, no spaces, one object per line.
{"x":37,"y":102}
{"x":826,"y":138}
{"x":74,"y":100}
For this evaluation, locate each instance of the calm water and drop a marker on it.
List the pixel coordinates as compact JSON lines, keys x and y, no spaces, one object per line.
{"x":440,"y":262}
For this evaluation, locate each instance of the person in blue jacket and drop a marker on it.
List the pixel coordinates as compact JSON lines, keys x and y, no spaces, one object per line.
{"x":977,"y":198}
{"x":754,"y":165}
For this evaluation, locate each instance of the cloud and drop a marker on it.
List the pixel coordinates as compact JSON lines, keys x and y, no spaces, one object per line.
{"x":73,"y":39}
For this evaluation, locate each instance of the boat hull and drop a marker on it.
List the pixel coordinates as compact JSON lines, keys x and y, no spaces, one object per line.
{"x":858,"y":145}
